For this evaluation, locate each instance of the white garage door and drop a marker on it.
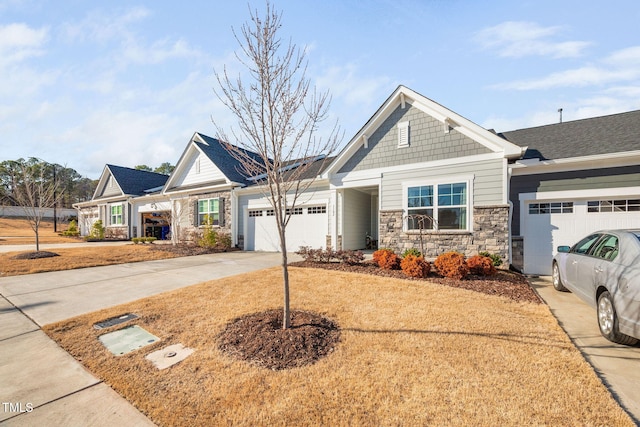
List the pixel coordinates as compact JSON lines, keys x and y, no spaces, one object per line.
{"x":307,"y":227}
{"x":548,"y":224}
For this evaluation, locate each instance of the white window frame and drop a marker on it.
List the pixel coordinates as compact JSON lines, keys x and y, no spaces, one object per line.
{"x":468,"y":180}
{"x":119,"y":217}
{"x":208,"y":211}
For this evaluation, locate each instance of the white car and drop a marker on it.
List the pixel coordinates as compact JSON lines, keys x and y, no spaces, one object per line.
{"x":603,"y":269}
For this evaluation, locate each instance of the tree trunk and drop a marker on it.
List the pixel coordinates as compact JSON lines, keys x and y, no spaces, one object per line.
{"x":37,"y":239}
{"x":286,"y":313}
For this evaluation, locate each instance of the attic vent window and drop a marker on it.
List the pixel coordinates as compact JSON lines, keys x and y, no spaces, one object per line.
{"x":403,"y":134}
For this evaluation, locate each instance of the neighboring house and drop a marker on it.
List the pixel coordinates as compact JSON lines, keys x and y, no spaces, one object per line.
{"x":516,"y":194}
{"x":575,"y":177}
{"x":128,"y":201}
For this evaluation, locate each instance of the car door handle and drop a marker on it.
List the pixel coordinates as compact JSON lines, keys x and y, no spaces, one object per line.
{"x":598,"y":269}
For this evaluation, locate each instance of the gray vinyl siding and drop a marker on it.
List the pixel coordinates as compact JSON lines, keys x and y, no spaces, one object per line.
{"x":428,"y":142}
{"x":487,"y":183}
{"x":110,"y":188}
{"x":628,"y":176}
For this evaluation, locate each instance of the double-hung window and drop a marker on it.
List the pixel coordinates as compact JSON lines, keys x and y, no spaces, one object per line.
{"x":209,"y":211}
{"x":116,"y":215}
{"x":437,"y":206}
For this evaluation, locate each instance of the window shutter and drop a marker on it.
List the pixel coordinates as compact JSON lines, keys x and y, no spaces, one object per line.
{"x":195,"y":214}
{"x":221,"y":211}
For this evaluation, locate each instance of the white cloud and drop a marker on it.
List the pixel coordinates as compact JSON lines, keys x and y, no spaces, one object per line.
{"x":609,"y":101}
{"x":620,"y":66}
{"x":518,"y":39}
{"x":158,"y":52}
{"x":347,"y":84}
{"x":19,"y":41}
{"x":101,"y":27}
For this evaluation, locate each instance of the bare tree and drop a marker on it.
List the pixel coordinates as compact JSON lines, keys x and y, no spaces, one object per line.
{"x":278,"y":113}
{"x":423,"y":222}
{"x":33,"y":190}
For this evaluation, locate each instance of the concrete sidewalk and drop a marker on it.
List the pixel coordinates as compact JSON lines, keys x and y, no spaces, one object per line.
{"x":617,"y":365}
{"x":41,"y":384}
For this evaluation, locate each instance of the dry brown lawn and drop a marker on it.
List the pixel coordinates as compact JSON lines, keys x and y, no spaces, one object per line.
{"x":410,"y":354}
{"x":14,"y":231}
{"x":81,"y":257}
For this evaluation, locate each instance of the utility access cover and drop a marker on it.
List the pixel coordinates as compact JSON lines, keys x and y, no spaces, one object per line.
{"x":126,"y":340}
{"x":115,"y":321}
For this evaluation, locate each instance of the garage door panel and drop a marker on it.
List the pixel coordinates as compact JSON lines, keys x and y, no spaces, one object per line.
{"x":304,"y":229}
{"x":544,"y":232}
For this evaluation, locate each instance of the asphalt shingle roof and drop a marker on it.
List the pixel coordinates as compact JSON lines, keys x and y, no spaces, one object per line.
{"x":216,"y":152}
{"x":134,"y":182}
{"x":599,"y":135}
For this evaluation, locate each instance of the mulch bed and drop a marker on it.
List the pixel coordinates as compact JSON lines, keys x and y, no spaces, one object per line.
{"x":258,"y":338}
{"x":504,"y":283}
{"x":34,"y":255}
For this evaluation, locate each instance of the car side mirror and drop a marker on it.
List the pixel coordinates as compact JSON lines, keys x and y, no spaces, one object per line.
{"x":564,"y":248}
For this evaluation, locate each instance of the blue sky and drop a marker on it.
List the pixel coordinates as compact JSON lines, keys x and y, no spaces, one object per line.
{"x":84,"y":83}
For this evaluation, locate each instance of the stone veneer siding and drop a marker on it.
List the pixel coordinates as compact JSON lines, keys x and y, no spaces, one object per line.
{"x":191,"y":231}
{"x":490,"y":233}
{"x":517,"y":252}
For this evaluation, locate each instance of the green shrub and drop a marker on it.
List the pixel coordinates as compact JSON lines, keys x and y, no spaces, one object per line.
{"x":150,"y":239}
{"x":452,"y":265}
{"x":209,"y":237}
{"x":495,"y":258}
{"x":72,"y":229}
{"x":135,"y":240}
{"x":412,"y":251}
{"x":415,"y":266}
{"x":97,"y":231}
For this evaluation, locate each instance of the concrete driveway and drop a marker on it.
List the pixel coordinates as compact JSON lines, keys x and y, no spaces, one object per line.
{"x":617,"y":365}
{"x":43,"y":385}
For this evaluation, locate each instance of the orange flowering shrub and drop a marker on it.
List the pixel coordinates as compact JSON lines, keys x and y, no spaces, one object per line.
{"x":415,"y":266}
{"x":452,"y":265}
{"x":386,"y":259}
{"x":481,"y":265}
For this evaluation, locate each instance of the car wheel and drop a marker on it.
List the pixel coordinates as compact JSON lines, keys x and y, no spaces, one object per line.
{"x":557,"y":281}
{"x":608,"y":321}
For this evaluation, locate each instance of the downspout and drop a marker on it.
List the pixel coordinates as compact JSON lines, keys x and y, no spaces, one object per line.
{"x":508,"y":189}
{"x":234,"y":217}
{"x":129,"y":218}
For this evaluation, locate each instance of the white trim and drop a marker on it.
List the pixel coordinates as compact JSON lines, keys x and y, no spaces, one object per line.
{"x":451,"y":179}
{"x":598,"y":193}
{"x":600,"y":161}
{"x":379,"y":172}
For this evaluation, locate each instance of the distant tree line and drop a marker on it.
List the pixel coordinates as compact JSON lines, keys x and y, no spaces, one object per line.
{"x":165,"y":168}
{"x":71,"y":187}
